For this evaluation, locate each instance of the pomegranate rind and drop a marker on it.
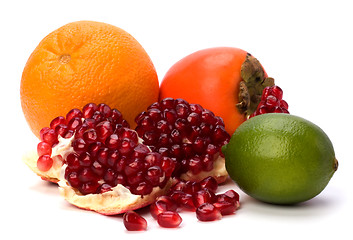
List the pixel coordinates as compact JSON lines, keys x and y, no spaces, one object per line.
{"x":52,"y":175}
{"x":219,"y":172}
{"x":119,"y":200}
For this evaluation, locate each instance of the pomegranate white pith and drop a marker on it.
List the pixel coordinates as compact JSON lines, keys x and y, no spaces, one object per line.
{"x":118,"y":200}
{"x":59,"y":153}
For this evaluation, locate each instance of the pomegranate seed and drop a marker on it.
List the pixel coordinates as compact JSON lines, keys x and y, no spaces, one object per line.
{"x":153,"y":175}
{"x":203,"y":196}
{"x":72,"y":160}
{"x":57,"y":121}
{"x":79,"y":145}
{"x":232,"y":194}
{"x":113,"y":141}
{"x":44,"y":163}
{"x":102,"y":156}
{"x":44,"y":148}
{"x":42,"y":131}
{"x":73,"y":180}
{"x":167,"y":103}
{"x":86,"y":175}
{"x":210,"y":183}
{"x":50,"y":137}
{"x":155,"y":114}
{"x":90,"y":136}
{"x":134,"y":222}
{"x":116,"y":115}
{"x":85,"y":159}
{"x":169,"y":219}
{"x":225,"y":208}
{"x":98,"y":169}
{"x":186,"y":202}
{"x":207,"y":163}
{"x":196,"y":108}
{"x":61,"y":130}
{"x":104,"y":109}
{"x":74,"y":123}
{"x":162,"y":204}
{"x":208,"y":212}
{"x":89,"y":109}
{"x":127,"y":146}
{"x":104,"y":129}
{"x":283,"y":104}
{"x":94,"y":148}
{"x":74,"y":113}
{"x":182,"y":110}
{"x":192,"y":187}
{"x":277,"y":92}
{"x":89,"y":188}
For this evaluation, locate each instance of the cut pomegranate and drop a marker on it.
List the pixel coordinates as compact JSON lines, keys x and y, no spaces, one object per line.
{"x":101,"y":160}
{"x":188,"y":133}
{"x":169,"y":219}
{"x":271,"y":102}
{"x":134,"y":222}
{"x":208,"y":212}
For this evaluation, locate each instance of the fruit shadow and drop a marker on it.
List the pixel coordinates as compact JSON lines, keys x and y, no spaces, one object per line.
{"x":45,"y":188}
{"x":316,"y":207}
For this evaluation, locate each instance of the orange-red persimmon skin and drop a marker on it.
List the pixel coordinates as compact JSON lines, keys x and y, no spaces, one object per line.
{"x":211,"y":78}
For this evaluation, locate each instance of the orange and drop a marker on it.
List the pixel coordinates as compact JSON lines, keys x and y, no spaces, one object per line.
{"x":84,"y":62}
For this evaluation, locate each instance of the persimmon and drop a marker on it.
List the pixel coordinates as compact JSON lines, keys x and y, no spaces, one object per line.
{"x":228,"y":81}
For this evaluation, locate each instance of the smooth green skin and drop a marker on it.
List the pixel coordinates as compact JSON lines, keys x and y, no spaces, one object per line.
{"x":280,"y":158}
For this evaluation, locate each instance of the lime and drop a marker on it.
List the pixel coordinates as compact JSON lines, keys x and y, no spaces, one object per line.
{"x":280,"y":158}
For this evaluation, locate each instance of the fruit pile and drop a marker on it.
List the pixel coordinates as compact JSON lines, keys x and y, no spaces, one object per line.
{"x":115,"y":142}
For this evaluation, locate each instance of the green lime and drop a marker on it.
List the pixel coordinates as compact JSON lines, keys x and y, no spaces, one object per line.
{"x":280,"y":158}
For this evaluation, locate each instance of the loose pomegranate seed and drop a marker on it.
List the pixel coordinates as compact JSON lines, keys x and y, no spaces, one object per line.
{"x":232,"y":194}
{"x":210,"y":183}
{"x":162,"y":204}
{"x":134,"y":222}
{"x":225,"y":208}
{"x":203,"y":196}
{"x":208,"y":212}
{"x":169,"y":219}
{"x":43,"y":148}
{"x":44,"y":163}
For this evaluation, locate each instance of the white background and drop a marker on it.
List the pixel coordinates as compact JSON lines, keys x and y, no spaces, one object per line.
{"x":305,"y":45}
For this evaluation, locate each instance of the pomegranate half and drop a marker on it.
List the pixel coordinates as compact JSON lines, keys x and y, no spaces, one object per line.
{"x":100,"y":163}
{"x":188,"y":133}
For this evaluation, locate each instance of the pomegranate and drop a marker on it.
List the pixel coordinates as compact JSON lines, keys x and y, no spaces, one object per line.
{"x":188,"y":133}
{"x":100,"y":162}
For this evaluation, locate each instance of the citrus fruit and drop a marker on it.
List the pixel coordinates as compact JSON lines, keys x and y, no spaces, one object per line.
{"x":280,"y":158}
{"x":228,"y":81}
{"x":85,"y":62}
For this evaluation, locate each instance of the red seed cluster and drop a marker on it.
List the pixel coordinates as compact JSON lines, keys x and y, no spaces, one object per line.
{"x":66,"y":127}
{"x":187,"y":132}
{"x":271,"y":102}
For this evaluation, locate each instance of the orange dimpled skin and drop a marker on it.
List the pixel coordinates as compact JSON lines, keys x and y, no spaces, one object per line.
{"x":211,"y":78}
{"x":84,"y":62}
